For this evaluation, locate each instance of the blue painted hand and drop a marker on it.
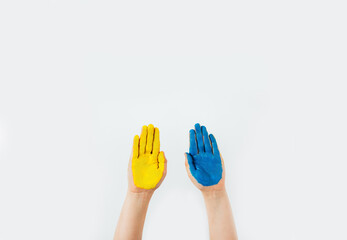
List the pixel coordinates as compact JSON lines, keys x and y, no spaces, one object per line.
{"x":204,"y":160}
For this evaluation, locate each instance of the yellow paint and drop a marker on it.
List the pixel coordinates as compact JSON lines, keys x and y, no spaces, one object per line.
{"x":148,"y":161}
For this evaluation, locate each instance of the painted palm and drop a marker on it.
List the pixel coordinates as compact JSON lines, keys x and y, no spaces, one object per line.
{"x":204,"y":159}
{"x":148,"y":163}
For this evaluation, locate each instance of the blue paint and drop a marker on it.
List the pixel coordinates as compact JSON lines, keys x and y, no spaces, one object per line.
{"x":204,"y":159}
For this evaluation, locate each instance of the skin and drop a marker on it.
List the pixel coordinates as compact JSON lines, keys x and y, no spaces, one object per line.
{"x":146,"y":172}
{"x":220,"y":218}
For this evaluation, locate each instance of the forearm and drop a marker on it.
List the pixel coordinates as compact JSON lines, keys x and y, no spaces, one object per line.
{"x":220,"y":218}
{"x":132,"y":217}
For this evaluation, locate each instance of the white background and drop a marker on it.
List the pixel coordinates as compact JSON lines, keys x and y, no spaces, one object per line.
{"x":78,"y":79}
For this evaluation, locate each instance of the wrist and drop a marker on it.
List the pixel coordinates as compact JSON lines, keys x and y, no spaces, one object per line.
{"x":215,"y":194}
{"x":141,"y":196}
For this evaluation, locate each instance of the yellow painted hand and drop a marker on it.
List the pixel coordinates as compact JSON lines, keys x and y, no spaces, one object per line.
{"x":148,"y":163}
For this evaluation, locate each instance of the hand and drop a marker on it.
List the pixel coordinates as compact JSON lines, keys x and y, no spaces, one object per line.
{"x":147,"y":165}
{"x":204,"y":164}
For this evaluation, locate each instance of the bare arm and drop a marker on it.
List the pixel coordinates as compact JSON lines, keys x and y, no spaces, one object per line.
{"x":220,"y":218}
{"x":132,"y":217}
{"x":205,"y":168}
{"x":147,"y":170}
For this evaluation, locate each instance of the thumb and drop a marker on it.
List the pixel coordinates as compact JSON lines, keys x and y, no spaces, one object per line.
{"x":190,"y":163}
{"x":162,"y":161}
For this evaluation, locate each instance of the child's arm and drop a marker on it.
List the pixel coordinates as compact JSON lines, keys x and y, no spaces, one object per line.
{"x":205,"y":168}
{"x":147,"y":170}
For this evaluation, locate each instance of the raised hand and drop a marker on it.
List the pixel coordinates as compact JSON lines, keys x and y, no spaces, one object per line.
{"x":147,"y":169}
{"x":148,"y":164}
{"x":203,"y":162}
{"x":205,"y":168}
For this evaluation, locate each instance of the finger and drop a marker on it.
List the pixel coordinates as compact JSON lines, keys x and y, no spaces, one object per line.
{"x":193,"y":147}
{"x":190,"y":162}
{"x":207,"y":142}
{"x":161,"y":161}
{"x":156,"y":144}
{"x":199,"y":138}
{"x":136,"y":146}
{"x":143,"y":140}
{"x":150,"y":135}
{"x":214,"y":145}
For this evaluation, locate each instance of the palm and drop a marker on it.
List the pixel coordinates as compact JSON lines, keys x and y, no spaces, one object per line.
{"x":146,"y":171}
{"x":208,"y":168}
